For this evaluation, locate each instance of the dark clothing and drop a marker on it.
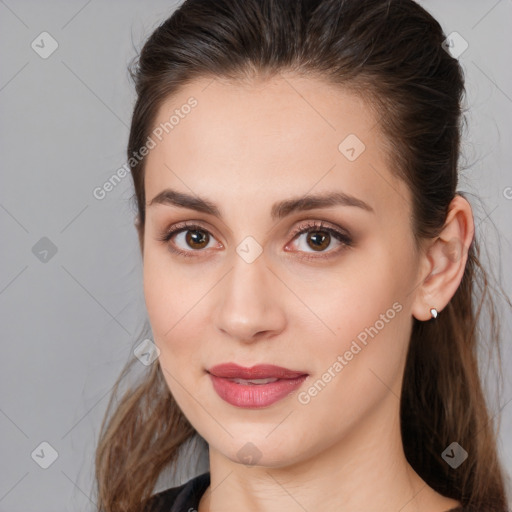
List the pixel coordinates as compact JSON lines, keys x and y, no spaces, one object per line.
{"x":181,"y":498}
{"x":186,"y":497}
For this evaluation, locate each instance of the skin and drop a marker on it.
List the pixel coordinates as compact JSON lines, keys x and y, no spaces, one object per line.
{"x":244,"y":147}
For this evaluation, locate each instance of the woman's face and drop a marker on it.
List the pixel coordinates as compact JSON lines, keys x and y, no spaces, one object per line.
{"x":251,"y":291}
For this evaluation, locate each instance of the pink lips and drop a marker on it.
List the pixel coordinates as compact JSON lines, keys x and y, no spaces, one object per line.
{"x":253,"y":395}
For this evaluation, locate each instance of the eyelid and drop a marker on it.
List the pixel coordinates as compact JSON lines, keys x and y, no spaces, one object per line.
{"x":321,"y":225}
{"x":180,"y":227}
{"x":338,"y":233}
{"x":186,"y":225}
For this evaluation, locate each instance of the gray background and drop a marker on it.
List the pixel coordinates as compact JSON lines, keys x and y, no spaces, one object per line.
{"x":71,"y":322}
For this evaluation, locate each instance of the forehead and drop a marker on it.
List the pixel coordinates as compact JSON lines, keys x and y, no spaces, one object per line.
{"x":272,"y":138}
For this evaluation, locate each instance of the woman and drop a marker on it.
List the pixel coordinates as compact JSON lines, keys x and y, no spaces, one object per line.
{"x":308,"y":266}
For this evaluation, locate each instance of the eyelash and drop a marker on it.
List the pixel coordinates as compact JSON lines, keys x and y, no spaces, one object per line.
{"x":304,"y":228}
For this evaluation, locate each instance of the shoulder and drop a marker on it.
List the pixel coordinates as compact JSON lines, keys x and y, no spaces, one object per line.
{"x":180,"y":498}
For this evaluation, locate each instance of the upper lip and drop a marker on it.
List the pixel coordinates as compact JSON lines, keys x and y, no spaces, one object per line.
{"x":259,"y":371}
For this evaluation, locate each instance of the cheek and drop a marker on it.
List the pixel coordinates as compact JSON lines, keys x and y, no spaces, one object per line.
{"x":360,"y":366}
{"x":171,"y":297}
{"x":364,"y":320}
{"x":173,"y":307}
{"x":160,"y":301}
{"x":343,"y":303}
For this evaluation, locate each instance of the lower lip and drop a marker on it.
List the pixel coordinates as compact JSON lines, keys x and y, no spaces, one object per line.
{"x":255,"y":395}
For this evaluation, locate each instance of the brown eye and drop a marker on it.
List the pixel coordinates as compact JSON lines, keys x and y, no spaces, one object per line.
{"x":196,"y":239}
{"x":187,"y":239}
{"x":320,"y":240}
{"x":314,"y":237}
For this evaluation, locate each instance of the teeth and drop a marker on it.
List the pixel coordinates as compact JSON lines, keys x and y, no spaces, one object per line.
{"x":253,"y":381}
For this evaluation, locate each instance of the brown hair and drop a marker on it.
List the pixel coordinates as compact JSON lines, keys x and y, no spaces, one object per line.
{"x":389,"y":52}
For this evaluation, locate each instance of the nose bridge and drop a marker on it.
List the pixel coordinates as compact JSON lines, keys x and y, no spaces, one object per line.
{"x":248,"y":278}
{"x":248,"y":305}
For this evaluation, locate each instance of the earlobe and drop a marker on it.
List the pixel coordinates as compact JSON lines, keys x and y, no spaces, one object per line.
{"x":444,"y":261}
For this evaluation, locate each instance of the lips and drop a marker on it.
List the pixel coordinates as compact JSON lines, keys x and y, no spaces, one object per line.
{"x":259,"y":386}
{"x":260,"y":371}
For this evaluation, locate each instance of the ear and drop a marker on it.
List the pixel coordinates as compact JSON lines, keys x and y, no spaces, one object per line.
{"x":140,"y":232}
{"x":444,"y":259}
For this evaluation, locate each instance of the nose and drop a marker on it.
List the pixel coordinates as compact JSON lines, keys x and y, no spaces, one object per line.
{"x":250,"y":305}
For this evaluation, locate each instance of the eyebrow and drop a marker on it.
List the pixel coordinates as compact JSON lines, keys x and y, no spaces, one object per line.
{"x":279,"y":210}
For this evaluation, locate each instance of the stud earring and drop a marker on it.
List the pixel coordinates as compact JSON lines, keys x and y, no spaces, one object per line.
{"x":433,"y":312}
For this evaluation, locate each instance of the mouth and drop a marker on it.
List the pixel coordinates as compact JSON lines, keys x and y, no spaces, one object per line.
{"x":255,"y":387}
{"x":255,"y":373}
{"x":246,"y":382}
